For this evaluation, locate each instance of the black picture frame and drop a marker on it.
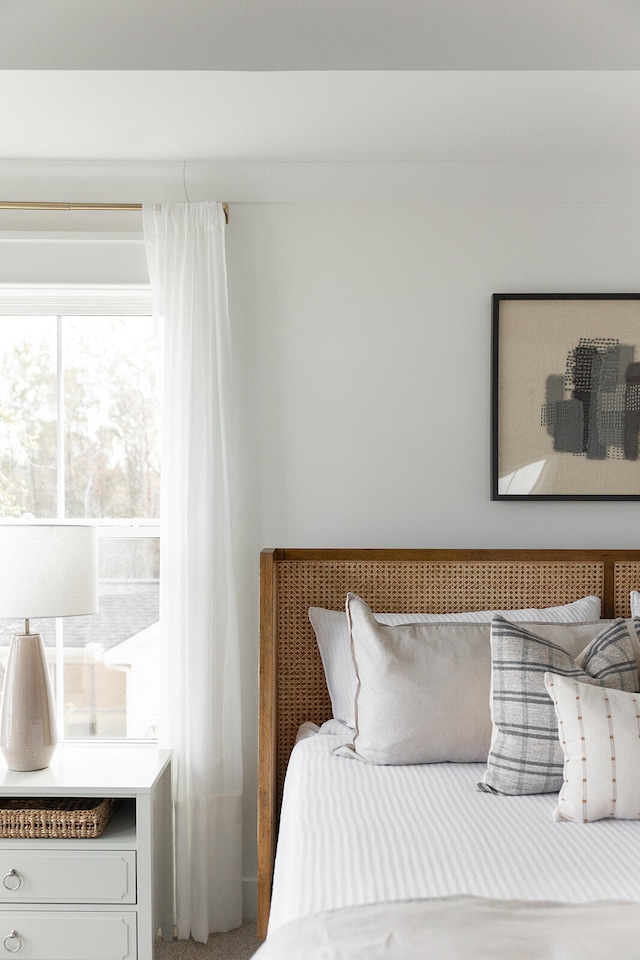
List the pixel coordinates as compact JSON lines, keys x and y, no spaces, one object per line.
{"x":565,"y":396}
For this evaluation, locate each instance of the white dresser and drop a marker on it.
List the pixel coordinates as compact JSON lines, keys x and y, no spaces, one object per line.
{"x":103,"y":898}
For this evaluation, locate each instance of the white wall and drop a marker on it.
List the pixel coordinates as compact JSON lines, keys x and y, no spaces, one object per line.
{"x":364,"y":331}
{"x":363,"y":352}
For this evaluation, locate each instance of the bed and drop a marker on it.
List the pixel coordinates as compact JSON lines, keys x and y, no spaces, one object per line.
{"x":460,"y":859}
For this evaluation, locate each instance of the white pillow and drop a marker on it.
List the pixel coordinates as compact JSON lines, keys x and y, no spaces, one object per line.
{"x":635,"y":603}
{"x":332,"y":635}
{"x":599,"y":731}
{"x":423,"y":688}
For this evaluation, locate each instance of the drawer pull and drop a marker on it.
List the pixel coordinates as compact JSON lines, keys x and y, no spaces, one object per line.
{"x":12,"y":942}
{"x":12,"y":880}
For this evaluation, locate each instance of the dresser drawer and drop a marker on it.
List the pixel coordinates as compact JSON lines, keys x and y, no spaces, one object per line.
{"x":68,"y":876}
{"x":68,"y":936}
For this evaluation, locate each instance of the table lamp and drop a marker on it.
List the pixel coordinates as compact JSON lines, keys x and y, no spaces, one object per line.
{"x":47,"y":569}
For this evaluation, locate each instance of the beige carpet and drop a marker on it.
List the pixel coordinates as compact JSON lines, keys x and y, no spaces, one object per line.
{"x":238,"y":944}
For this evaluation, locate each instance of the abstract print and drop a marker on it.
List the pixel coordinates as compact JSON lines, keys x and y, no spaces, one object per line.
{"x":593,"y":410}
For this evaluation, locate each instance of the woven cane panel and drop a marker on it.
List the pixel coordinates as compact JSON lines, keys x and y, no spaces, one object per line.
{"x":626,"y":579}
{"x":398,"y":586}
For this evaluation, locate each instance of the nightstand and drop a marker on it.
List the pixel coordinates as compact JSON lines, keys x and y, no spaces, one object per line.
{"x":101,"y":898}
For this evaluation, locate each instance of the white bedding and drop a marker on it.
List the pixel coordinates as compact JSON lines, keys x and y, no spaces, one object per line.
{"x":353,"y":833}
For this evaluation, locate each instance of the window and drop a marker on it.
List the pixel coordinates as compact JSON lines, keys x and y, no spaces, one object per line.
{"x":79,"y":438}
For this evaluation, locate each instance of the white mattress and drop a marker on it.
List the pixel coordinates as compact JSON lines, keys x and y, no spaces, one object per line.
{"x":352,"y":833}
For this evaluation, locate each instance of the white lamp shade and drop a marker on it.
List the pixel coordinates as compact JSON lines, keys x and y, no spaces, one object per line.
{"x":48,"y":570}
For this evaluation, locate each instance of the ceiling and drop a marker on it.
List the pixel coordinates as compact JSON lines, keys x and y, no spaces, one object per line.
{"x":322,"y":116}
{"x":320,"y":34}
{"x":320,"y":80}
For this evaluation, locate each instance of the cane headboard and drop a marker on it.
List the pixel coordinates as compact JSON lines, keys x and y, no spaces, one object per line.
{"x":292,"y":685}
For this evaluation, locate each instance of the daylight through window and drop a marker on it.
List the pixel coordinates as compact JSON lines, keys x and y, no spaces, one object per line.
{"x":79,"y":439}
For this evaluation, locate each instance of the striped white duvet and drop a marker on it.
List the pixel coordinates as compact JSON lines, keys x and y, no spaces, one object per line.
{"x":354,"y":834}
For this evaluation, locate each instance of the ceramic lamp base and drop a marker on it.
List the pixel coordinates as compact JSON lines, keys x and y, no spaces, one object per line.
{"x":27,"y":722}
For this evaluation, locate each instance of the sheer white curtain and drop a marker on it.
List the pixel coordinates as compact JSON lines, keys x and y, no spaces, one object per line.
{"x":186,"y":256}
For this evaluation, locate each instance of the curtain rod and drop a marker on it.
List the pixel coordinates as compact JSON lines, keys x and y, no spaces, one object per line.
{"x":37,"y":205}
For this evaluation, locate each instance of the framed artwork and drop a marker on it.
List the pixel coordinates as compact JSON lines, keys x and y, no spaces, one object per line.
{"x":565,"y":397}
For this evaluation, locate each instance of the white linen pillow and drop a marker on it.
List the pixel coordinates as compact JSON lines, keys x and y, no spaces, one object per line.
{"x":599,"y":732}
{"x":331,"y":628}
{"x":423,"y":688}
{"x":635,"y":603}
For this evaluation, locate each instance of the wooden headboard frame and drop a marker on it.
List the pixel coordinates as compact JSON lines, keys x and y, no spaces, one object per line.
{"x":292,"y":685}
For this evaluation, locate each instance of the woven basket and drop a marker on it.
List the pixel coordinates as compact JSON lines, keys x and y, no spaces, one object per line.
{"x":58,"y":817}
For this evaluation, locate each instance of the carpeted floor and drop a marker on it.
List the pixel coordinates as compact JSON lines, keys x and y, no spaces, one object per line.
{"x":238,"y":944}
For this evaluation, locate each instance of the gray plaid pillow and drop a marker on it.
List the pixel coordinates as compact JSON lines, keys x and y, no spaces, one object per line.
{"x":525,"y":754}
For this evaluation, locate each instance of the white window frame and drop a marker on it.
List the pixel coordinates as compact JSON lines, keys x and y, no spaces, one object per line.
{"x":59,"y":300}
{"x":76,"y":299}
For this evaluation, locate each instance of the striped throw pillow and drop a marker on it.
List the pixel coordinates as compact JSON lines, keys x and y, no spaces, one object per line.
{"x":599,"y":733}
{"x":525,"y":754}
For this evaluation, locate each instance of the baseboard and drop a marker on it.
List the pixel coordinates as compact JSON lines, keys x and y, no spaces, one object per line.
{"x":249,"y":899}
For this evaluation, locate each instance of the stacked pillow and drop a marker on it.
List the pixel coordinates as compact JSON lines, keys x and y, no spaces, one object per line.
{"x":526,"y":755}
{"x":487,"y":686}
{"x":599,"y":732}
{"x":331,"y":628}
